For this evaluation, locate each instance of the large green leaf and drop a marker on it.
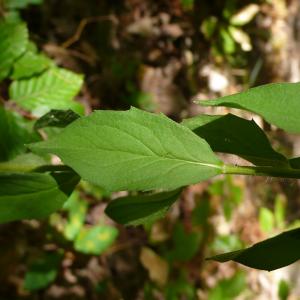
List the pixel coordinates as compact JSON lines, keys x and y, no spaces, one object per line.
{"x":133,"y":150}
{"x":235,"y":135}
{"x":277,"y":103}
{"x":33,"y":195}
{"x":270,"y":254}
{"x":13,"y":42}
{"x":54,"y":89}
{"x":141,"y":209}
{"x":13,"y":135}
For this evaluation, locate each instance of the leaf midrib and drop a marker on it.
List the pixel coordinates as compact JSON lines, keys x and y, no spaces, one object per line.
{"x":216,"y":166}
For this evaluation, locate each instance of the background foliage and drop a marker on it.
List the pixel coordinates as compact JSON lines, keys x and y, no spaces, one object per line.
{"x":158,"y":56}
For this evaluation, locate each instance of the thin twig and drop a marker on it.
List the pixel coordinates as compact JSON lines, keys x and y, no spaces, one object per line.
{"x":83,"y":23}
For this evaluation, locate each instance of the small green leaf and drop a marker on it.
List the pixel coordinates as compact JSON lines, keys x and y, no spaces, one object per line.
{"x":280,"y":210}
{"x":180,"y":289}
{"x":56,"y":118}
{"x":141,"y":209}
{"x":30,"y":64}
{"x":283,"y":290}
{"x":277,"y":103}
{"x":201,"y":212}
{"x":96,"y":239}
{"x":209,"y":26}
{"x":133,"y":150}
{"x":187,"y":4}
{"x":228,"y":289}
{"x":266,"y":220}
{"x":33,"y":195}
{"x":13,"y":43}
{"x":235,"y":135}
{"x":43,"y":271}
{"x":270,"y":254}
{"x":226,"y":243}
{"x":54,"y":89}
{"x":228,"y":42}
{"x":186,"y":244}
{"x":77,"y":211}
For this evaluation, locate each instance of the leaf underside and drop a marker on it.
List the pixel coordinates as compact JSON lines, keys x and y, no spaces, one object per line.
{"x":270,"y":254}
{"x":235,"y":135}
{"x":141,"y":209}
{"x":33,"y":195}
{"x":277,"y":103}
{"x":133,"y":150}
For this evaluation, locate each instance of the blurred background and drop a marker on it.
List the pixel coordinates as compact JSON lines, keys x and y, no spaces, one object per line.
{"x":160,"y":56}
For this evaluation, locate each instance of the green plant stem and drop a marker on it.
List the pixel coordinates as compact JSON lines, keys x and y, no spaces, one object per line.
{"x":262,"y":171}
{"x":9,"y":167}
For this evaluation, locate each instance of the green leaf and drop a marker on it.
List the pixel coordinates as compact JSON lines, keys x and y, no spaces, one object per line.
{"x":96,"y":239}
{"x":228,"y":42}
{"x":186,"y":244}
{"x":201,"y":212}
{"x":13,"y":42}
{"x":226,"y":243}
{"x":270,"y":254}
{"x":30,"y":64}
{"x":12,"y":16}
{"x":13,"y":135}
{"x":283,"y":290}
{"x":280,"y":210}
{"x":133,"y":150}
{"x":266,"y":220}
{"x":56,"y":118}
{"x":77,"y":211}
{"x":235,"y":135}
{"x":33,"y":195}
{"x":18,"y":4}
{"x":187,"y":4}
{"x":54,"y":89}
{"x":228,"y":289}
{"x":209,"y":26}
{"x":277,"y":103}
{"x":141,"y":209}
{"x":295,"y":162}
{"x":43,"y":271}
{"x":180,"y":289}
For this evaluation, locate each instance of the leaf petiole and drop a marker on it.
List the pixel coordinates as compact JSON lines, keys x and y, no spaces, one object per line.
{"x":283,"y":172}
